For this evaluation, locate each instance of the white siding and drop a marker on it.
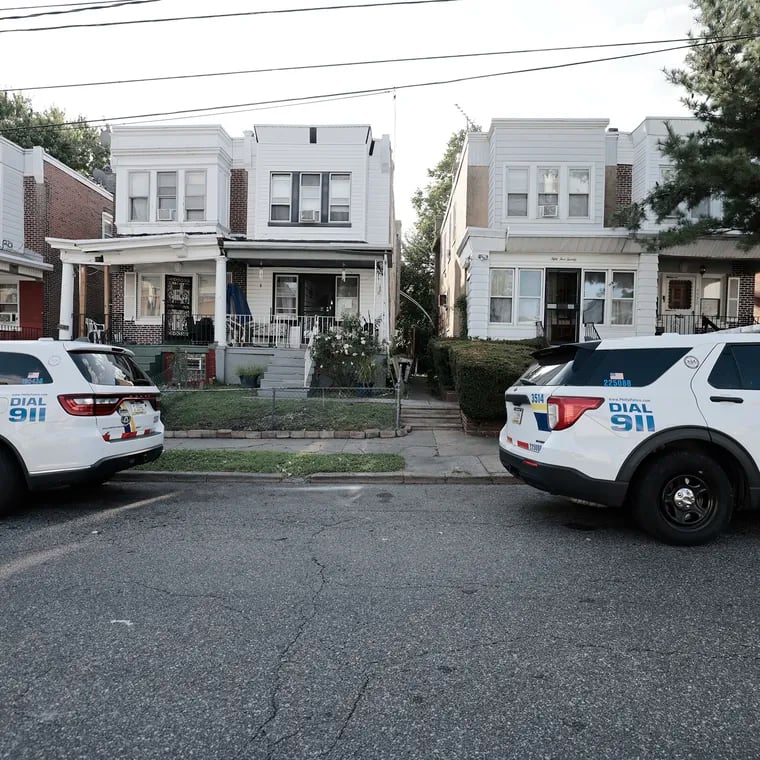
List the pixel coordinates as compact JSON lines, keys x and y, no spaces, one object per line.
{"x":11,"y":197}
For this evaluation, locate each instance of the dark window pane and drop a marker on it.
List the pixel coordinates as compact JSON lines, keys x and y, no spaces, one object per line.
{"x":103,"y":368}
{"x":748,"y":360}
{"x":22,"y":369}
{"x":630,"y":367}
{"x":725,"y":373}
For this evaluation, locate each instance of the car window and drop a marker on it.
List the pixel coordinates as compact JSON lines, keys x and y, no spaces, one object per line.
{"x":22,"y":369}
{"x":738,"y":367}
{"x":104,"y":368}
{"x":622,"y":368}
{"x":542,"y":374}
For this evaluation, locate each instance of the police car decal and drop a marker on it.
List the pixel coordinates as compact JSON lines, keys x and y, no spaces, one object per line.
{"x":540,"y":411}
{"x":631,"y":415}
{"x":28,"y":408}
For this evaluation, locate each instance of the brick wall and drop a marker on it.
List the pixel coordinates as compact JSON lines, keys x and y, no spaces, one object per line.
{"x":131,"y":332}
{"x":239,"y":272}
{"x":624,"y":186}
{"x":63,"y":207}
{"x":239,"y":201}
{"x":746,"y":291}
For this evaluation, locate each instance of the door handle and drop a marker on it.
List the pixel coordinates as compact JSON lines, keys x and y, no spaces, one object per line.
{"x":730,"y":399}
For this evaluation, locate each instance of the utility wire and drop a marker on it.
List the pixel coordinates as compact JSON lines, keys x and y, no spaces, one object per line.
{"x":54,"y":5}
{"x":339,"y":64}
{"x":208,"y":16}
{"x":370,"y":91}
{"x":85,"y":7}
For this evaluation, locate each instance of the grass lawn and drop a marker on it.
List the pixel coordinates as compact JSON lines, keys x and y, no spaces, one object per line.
{"x":290,"y":464}
{"x":239,"y":410}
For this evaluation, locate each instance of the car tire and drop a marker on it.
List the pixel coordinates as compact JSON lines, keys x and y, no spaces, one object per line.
{"x":683,"y":498}
{"x":13,"y":483}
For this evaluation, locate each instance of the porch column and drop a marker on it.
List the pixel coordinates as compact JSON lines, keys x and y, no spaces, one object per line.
{"x":220,"y":302}
{"x":66,"y":313}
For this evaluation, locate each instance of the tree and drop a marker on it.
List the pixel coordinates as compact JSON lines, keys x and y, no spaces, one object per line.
{"x":418,"y":249}
{"x":722,"y":83}
{"x":77,"y":145}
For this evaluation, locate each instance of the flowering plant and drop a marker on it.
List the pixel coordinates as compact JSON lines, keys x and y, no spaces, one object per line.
{"x":346,"y":352}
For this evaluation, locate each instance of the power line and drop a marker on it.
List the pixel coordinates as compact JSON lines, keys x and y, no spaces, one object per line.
{"x":386,"y":3}
{"x":339,"y":64}
{"x":54,"y":5}
{"x":83,"y":7}
{"x":371,"y":91}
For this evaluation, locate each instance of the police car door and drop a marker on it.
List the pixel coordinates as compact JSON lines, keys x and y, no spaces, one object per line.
{"x":727,"y":387}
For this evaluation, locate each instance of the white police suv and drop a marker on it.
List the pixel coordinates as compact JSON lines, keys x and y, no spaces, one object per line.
{"x":72,"y":412}
{"x":668,"y":425}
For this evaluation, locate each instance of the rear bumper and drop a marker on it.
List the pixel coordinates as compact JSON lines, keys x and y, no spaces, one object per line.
{"x":101,"y":470}
{"x":564,"y":481}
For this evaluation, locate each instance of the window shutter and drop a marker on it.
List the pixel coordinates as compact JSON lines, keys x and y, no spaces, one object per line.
{"x":732,"y":301}
{"x":130,"y":296}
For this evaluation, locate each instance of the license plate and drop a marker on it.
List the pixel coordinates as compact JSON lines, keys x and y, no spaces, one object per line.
{"x":517,"y":413}
{"x":138,"y":407}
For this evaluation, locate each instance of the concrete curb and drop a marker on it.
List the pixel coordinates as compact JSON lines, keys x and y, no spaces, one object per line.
{"x":298,"y":434}
{"x":368,"y":478}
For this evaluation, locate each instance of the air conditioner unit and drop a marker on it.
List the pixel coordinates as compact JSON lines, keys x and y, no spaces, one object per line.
{"x":165,"y":214}
{"x":195,"y":363}
{"x":547,"y":210}
{"x":310,"y":216}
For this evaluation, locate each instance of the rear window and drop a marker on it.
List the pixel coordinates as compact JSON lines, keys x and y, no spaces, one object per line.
{"x":22,"y":369}
{"x":622,"y":368}
{"x":542,"y":374}
{"x":104,"y":368}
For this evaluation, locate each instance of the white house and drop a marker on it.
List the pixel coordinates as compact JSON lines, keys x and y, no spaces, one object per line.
{"x":528,"y":239}
{"x":247,"y":244}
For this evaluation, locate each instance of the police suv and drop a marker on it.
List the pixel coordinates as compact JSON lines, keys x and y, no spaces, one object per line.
{"x":667,"y":425}
{"x":72,"y":412}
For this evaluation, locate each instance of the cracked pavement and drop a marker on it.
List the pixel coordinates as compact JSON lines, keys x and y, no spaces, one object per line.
{"x":236,"y":620}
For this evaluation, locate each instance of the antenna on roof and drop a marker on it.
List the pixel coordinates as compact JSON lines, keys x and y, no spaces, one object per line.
{"x":470,"y":122}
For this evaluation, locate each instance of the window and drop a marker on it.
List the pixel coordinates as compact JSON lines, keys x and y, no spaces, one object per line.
{"x":633,"y":367}
{"x":150,"y":296}
{"x":578,"y":187}
{"x":622,"y":298}
{"x":701,"y":210}
{"x":517,"y":192}
{"x":548,"y":192}
{"x":206,"y":294}
{"x":680,"y":294}
{"x":732,"y":297}
{"x":9,"y":305}
{"x":286,"y":294}
{"x":311,"y":198}
{"x":167,"y":196}
{"x":280,"y":195}
{"x":529,"y":301}
{"x":594,"y":295}
{"x":501,"y":292}
{"x":106,"y":225}
{"x":195,"y":196}
{"x":340,"y":197}
{"x":737,"y":367}
{"x":139,"y":184}
{"x":710,"y":301}
{"x":347,"y":296}
{"x":22,"y":369}
{"x":105,"y":368}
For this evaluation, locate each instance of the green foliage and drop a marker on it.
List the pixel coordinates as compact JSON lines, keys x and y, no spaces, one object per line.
{"x":77,"y":145}
{"x":253,"y":370}
{"x":346,"y":352}
{"x":461,"y":306}
{"x":722,"y":86}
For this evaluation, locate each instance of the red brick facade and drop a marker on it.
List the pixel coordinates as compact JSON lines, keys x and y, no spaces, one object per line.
{"x":63,"y":207}
{"x":746,"y":291}
{"x":239,"y":202}
{"x":624,"y":187}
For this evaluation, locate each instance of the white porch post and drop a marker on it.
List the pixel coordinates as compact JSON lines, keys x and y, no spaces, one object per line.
{"x":220,"y":302}
{"x":66,"y":313}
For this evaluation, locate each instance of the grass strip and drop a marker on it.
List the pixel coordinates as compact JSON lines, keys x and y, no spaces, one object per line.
{"x":239,"y":410}
{"x":279,"y":462}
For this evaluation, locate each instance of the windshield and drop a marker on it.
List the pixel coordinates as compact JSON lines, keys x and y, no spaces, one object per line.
{"x":105,"y":368}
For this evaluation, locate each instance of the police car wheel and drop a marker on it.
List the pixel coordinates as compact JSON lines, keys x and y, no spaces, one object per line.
{"x":683,"y":498}
{"x":13,"y":483}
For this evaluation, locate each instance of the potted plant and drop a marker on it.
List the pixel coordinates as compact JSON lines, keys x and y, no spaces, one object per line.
{"x":250,"y":376}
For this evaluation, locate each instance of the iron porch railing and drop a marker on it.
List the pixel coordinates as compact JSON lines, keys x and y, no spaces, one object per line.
{"x":694,"y":324}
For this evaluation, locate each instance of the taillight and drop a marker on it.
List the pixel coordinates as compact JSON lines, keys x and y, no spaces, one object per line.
{"x":565,"y":411}
{"x":89,"y":406}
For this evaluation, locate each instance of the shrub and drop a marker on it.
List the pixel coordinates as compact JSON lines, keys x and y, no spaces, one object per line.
{"x":254,"y":370}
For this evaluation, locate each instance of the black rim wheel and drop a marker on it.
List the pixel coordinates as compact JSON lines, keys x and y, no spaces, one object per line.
{"x":688,"y":502}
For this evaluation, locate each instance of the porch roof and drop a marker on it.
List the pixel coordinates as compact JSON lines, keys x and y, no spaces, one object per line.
{"x":307,"y":254}
{"x":24,"y":264}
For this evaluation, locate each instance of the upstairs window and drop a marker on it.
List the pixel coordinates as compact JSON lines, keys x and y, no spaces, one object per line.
{"x":281,"y":197}
{"x":166,"y":196}
{"x":139,"y":184}
{"x":106,"y":225}
{"x":340,"y":197}
{"x":195,"y":196}
{"x":548,"y":192}
{"x":517,"y":191}
{"x":578,"y":187}
{"x":311,"y":198}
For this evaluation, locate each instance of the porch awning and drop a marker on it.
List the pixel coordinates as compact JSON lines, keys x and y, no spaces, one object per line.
{"x":23,"y":264}
{"x":308,"y":255}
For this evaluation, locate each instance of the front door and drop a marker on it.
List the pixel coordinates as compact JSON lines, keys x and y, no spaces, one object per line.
{"x":179,"y":307}
{"x":317,"y":298}
{"x":562,"y":305}
{"x":678,"y":298}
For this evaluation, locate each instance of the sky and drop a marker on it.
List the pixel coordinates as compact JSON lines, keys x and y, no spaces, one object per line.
{"x":419,"y":120}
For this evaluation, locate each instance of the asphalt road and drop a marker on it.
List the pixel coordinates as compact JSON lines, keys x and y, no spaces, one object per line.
{"x":247,"y":621}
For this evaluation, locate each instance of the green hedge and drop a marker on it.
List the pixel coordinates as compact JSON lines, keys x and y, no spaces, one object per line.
{"x":481,"y":370}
